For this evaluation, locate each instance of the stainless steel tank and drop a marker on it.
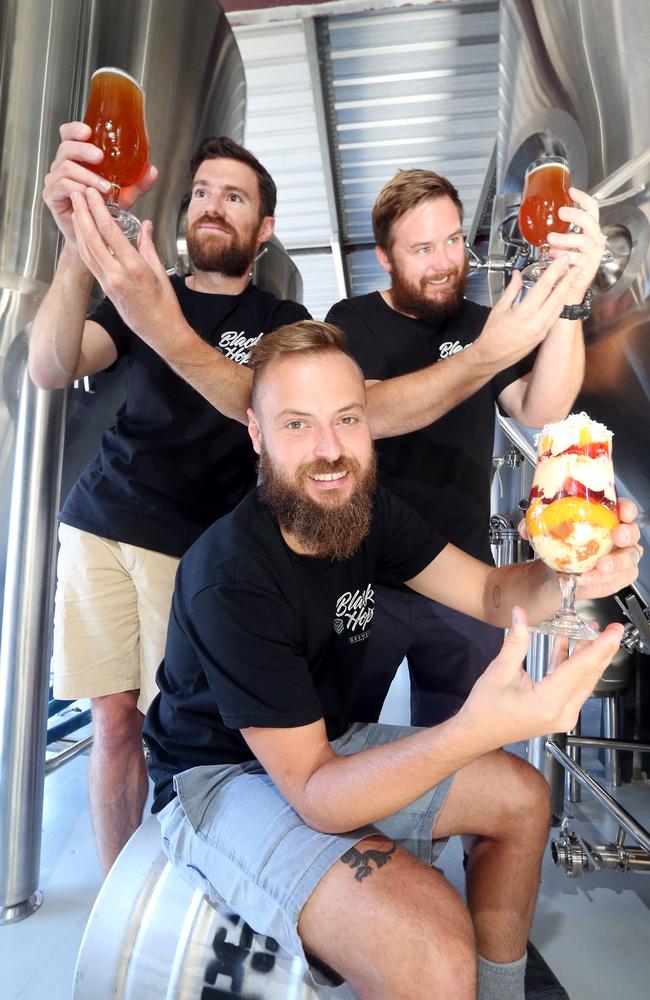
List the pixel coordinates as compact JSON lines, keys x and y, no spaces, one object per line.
{"x":574,"y":78}
{"x":185,"y":54}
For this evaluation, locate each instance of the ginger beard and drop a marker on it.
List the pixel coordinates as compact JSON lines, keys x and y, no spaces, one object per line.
{"x":227,"y":253}
{"x":417,"y":299}
{"x":329,"y":529}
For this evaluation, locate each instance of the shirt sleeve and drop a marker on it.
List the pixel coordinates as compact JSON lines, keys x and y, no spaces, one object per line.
{"x":288,"y":312}
{"x":247,"y":642}
{"x":409,"y":544}
{"x":361,"y":342}
{"x":107,"y":316}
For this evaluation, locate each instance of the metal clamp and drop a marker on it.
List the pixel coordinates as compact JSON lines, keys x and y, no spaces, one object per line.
{"x":636,"y":637}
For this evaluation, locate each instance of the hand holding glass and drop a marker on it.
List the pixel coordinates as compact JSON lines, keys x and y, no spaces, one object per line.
{"x":115,"y":113}
{"x":546,"y":190}
{"x":572,"y":511}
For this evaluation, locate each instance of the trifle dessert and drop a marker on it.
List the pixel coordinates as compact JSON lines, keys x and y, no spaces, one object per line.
{"x":573,"y":507}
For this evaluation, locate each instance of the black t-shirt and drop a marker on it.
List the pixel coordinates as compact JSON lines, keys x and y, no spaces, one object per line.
{"x":442,"y":471}
{"x":261,"y":636}
{"x":172,"y":464}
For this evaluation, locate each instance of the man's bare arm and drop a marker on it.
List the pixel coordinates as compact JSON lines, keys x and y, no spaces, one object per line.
{"x":458,"y":580}
{"x":409,"y":402}
{"x":138,"y":286}
{"x":547,"y":392}
{"x":335,"y":794}
{"x":63,"y":346}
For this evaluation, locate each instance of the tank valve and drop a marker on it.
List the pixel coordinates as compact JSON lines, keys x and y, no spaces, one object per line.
{"x":577,"y":856}
{"x":568,"y":852}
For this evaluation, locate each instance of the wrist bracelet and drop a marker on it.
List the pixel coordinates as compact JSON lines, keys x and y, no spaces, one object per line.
{"x":580,"y":311}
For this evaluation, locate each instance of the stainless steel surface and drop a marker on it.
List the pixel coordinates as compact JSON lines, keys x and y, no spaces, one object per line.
{"x":24,"y":643}
{"x":537,"y":661}
{"x":58,"y":759}
{"x":610,"y":731}
{"x":577,"y":856}
{"x":186,"y":58}
{"x":573,"y":80}
{"x":605,"y":743}
{"x":623,"y":818}
{"x":152,"y":937}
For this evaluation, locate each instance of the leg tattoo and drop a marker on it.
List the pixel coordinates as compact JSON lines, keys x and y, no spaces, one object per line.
{"x":362,"y":860}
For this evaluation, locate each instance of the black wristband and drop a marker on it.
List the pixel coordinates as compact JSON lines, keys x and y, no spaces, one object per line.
{"x":580,"y":311}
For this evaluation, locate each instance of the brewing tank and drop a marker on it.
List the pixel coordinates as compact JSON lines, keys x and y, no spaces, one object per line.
{"x":574,"y":79}
{"x":185,"y":55}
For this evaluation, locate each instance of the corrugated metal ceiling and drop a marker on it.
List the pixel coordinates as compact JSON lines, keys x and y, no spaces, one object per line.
{"x":410,"y":87}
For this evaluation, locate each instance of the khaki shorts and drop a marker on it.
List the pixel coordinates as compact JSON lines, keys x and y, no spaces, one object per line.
{"x":110,"y":616}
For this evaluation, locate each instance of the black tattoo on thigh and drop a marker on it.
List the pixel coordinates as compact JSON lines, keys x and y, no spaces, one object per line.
{"x":362,"y":860}
{"x":496,"y":597}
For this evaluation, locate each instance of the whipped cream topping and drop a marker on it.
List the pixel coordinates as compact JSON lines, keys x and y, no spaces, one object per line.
{"x":577,"y":429}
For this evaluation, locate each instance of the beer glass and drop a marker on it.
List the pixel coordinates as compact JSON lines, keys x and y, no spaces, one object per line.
{"x":115,"y":113}
{"x":546,"y":189}
{"x":572,"y":510}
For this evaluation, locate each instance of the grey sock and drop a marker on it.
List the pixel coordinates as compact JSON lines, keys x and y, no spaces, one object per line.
{"x":501,"y":980}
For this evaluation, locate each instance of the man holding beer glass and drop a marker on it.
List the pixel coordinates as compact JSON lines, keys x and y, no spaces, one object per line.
{"x":169,"y":466}
{"x":437,"y":363}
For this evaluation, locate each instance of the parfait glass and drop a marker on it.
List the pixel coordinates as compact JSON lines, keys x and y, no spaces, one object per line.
{"x":572,"y":511}
{"x":115,"y":113}
{"x":546,"y":189}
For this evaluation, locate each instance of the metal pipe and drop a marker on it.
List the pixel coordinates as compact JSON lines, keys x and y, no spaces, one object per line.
{"x":68,"y":754}
{"x":606,"y":744}
{"x":622,"y":858}
{"x":73,"y":722}
{"x":578,"y":857}
{"x":621,"y":815}
{"x":24,"y":645}
{"x":620,"y":176}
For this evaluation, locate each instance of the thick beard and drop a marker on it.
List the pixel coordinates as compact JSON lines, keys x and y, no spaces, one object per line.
{"x":325,"y":531}
{"x":211,"y":253}
{"x":413,"y":300}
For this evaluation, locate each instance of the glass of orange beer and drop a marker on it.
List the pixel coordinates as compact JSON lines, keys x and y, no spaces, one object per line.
{"x":546,"y":189}
{"x":572,"y":510}
{"x":115,"y":113}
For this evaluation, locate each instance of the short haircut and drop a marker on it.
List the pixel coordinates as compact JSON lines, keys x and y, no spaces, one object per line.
{"x":403,"y":192}
{"x":220,"y":147}
{"x":308,"y":336}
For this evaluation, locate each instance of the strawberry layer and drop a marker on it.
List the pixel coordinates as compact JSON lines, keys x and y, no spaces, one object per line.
{"x":574,"y":474}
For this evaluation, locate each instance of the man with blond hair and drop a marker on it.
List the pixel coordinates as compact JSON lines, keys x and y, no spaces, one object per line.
{"x":320,"y":832}
{"x":437,"y":363}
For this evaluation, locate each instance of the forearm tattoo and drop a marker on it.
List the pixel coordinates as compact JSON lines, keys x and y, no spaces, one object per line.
{"x":496,"y":596}
{"x":362,"y":860}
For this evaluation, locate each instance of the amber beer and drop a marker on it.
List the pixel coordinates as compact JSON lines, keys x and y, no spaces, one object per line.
{"x":115,"y":113}
{"x":546,"y":189}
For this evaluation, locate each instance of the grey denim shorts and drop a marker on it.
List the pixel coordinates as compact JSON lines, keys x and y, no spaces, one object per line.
{"x":230,"y":833}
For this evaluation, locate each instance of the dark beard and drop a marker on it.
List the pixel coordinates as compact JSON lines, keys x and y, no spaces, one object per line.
{"x":211,"y":253}
{"x":327,"y":532}
{"x":413,"y":301}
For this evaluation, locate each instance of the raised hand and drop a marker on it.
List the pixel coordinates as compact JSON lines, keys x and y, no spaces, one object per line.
{"x":134,"y":279}
{"x":620,"y":567}
{"x":513,"y":329}
{"x":584,"y":245}
{"x":69,"y":173}
{"x":508,"y":706}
